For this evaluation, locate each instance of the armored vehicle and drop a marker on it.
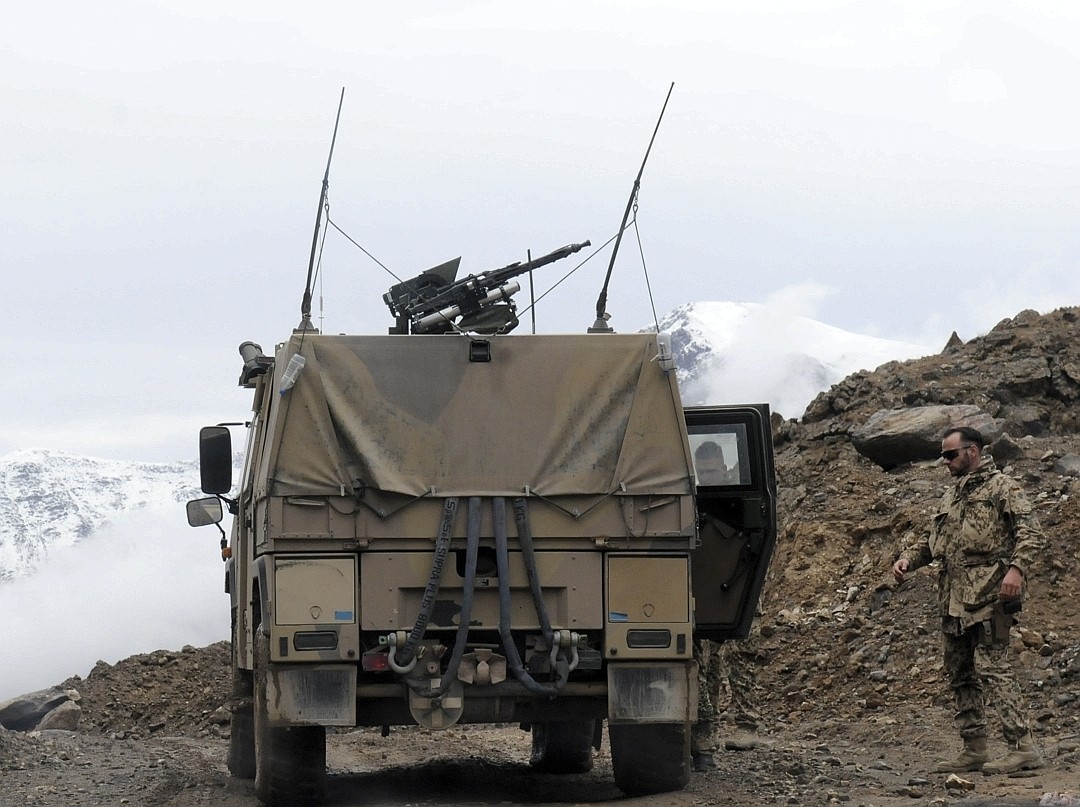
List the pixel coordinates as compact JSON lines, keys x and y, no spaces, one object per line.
{"x":454,"y":524}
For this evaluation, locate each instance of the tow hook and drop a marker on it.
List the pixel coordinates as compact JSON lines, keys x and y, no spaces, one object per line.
{"x":394,"y":641}
{"x":567,"y":641}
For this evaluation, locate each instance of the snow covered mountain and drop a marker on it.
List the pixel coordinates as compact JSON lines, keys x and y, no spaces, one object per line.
{"x":51,"y":499}
{"x":731,"y":353}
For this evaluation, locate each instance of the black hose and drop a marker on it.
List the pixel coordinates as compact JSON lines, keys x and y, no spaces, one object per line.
{"x":524,"y":531}
{"x":438,"y":563}
{"x":525,"y":541}
{"x":513,"y":658}
{"x":472,"y":544}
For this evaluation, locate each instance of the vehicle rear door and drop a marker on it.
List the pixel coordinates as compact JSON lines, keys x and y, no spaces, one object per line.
{"x":736,"y":513}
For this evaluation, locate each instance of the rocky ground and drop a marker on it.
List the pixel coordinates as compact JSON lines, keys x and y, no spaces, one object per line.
{"x":851,"y":673}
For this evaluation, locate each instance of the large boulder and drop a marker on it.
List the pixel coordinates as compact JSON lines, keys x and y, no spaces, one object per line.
{"x":64,"y":717}
{"x":892,"y":437}
{"x":26,"y":712}
{"x":1068,"y":465}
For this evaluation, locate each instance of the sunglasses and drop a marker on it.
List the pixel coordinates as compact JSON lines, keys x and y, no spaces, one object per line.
{"x":953,"y":453}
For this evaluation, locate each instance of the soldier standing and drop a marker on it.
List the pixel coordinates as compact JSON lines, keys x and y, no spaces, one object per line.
{"x":986,"y":536}
{"x":737,"y":661}
{"x":705,"y":735}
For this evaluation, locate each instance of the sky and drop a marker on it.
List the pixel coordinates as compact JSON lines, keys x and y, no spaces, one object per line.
{"x":898,"y":169}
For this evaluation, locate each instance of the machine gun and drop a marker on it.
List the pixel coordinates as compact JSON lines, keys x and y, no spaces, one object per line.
{"x":433,"y":300}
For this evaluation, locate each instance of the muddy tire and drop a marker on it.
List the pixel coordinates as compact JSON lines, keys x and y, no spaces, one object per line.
{"x":563,"y":747}
{"x":290,"y":763}
{"x":241,"y":758}
{"x":650,"y":757}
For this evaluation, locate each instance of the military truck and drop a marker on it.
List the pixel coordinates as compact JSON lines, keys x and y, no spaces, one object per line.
{"x":452,"y":523}
{"x":455,"y":528}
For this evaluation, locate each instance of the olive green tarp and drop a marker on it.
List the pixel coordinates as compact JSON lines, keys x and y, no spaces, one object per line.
{"x":407,"y":414}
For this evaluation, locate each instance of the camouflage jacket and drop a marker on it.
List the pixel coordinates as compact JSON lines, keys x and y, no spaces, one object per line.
{"x":984,"y":525}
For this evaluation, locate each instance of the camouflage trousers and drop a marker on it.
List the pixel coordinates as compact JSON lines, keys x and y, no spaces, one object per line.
{"x":737,"y":662}
{"x":978,"y":673}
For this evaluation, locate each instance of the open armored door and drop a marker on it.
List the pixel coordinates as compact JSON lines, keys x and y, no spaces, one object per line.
{"x":736,"y":511}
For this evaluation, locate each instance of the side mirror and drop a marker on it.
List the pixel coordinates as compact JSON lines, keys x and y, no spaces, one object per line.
{"x":201,"y":512}
{"x":215,"y":459}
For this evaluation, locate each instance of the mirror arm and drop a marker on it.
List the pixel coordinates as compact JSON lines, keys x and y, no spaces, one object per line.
{"x":232,"y":505}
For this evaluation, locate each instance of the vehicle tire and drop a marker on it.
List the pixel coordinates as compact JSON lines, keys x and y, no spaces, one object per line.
{"x":241,"y":758}
{"x":290,"y":763}
{"x":563,"y":747}
{"x":650,"y":757}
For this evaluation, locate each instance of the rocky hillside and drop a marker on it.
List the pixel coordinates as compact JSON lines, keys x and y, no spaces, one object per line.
{"x":842,"y":636}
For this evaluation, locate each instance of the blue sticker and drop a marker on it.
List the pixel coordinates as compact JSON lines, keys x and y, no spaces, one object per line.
{"x":343,"y":616}
{"x":618,"y":616}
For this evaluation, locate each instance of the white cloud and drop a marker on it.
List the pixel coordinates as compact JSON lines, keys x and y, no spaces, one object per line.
{"x":970,"y":85}
{"x":801,"y":299}
{"x":774,"y":353}
{"x":145,"y":582}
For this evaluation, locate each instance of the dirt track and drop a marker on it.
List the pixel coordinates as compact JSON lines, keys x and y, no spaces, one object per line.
{"x":882,"y":763}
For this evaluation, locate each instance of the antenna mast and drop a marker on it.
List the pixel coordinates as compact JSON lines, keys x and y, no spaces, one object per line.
{"x":602,"y":316}
{"x":305,"y":304}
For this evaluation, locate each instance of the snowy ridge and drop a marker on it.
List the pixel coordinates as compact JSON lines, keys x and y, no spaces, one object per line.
{"x":750,"y":353}
{"x":51,"y":499}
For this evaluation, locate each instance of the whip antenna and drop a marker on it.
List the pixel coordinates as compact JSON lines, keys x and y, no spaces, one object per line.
{"x":305,"y":304}
{"x":602,"y":316}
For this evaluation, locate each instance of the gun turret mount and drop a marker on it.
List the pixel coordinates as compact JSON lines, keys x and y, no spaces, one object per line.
{"x":404,"y":297}
{"x":436,"y":302}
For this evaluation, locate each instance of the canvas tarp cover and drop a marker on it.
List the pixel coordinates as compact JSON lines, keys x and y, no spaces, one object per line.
{"x":408,"y":414}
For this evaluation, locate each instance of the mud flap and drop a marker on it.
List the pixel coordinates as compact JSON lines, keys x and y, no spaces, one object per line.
{"x":319,"y":695}
{"x":652,"y":693}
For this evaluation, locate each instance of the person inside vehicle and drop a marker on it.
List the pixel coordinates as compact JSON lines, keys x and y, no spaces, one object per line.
{"x":710,"y":468}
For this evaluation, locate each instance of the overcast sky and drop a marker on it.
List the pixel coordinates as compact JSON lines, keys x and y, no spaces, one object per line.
{"x":904,"y":169}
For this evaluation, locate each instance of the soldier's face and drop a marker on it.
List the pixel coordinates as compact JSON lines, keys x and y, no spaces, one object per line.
{"x":959,"y":456}
{"x":710,"y":471}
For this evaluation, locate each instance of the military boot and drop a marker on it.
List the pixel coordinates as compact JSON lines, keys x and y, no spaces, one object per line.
{"x":972,"y":758}
{"x":704,"y":761}
{"x":1024,"y":756}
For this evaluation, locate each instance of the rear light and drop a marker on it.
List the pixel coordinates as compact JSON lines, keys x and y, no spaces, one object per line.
{"x":375,"y":661}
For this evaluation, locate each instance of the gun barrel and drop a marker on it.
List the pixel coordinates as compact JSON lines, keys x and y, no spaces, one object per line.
{"x":434,"y":299}
{"x":476,"y":286}
{"x":551,"y":257}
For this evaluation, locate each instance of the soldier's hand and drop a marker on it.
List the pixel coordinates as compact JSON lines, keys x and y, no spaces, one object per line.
{"x":899,"y":569}
{"x":1012,"y":584}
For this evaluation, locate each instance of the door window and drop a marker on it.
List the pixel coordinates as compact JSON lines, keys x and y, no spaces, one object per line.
{"x":721,"y":454}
